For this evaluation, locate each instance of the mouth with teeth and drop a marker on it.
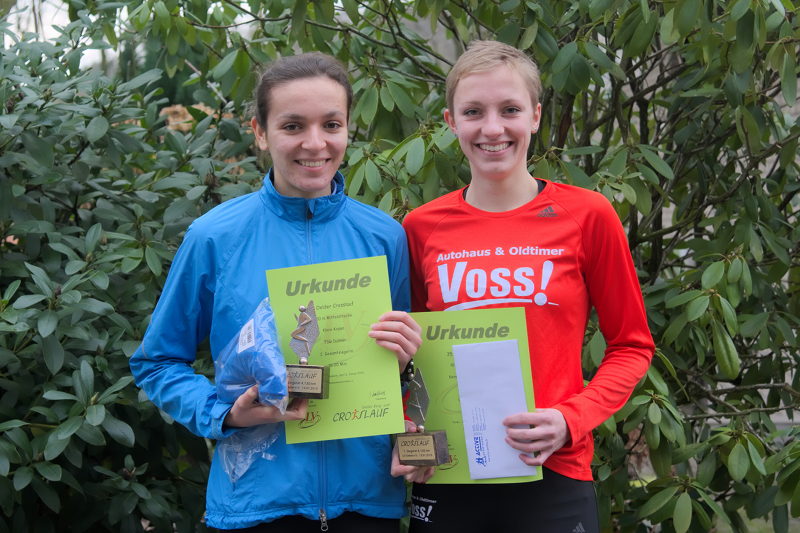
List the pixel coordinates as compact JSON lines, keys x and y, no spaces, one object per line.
{"x":494,"y":147}
{"x":311,"y":164}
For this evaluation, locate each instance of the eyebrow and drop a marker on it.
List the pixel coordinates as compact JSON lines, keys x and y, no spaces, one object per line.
{"x":507,"y":101}
{"x":299,"y":117}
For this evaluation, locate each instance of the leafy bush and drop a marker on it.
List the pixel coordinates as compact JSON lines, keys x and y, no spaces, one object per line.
{"x":95,"y":192}
{"x":683,"y":113}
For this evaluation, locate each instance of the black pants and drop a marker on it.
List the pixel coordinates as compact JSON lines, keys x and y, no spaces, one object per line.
{"x":345,"y":523}
{"x":555,"y":504}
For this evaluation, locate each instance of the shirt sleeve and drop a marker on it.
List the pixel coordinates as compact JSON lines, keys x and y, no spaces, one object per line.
{"x":615,"y":293}
{"x":162,"y":365}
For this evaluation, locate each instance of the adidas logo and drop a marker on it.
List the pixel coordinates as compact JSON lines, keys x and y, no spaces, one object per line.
{"x":548,"y":212}
{"x":579,"y":528}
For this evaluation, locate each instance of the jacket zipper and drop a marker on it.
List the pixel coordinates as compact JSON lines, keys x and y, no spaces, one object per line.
{"x":309,"y":216}
{"x":323,"y":493}
{"x":323,"y":489}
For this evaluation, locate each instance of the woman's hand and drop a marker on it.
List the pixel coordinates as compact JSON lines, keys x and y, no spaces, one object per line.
{"x":247,"y":411}
{"x":413,"y":474}
{"x":398,"y":332}
{"x":545,"y":432}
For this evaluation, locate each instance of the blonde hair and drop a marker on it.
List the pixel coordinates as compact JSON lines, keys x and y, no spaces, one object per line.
{"x":482,"y":56}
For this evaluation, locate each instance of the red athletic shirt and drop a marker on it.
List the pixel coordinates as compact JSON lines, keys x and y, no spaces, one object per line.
{"x":557,"y":256}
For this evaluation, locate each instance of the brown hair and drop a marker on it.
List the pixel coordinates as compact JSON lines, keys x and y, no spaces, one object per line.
{"x":290,"y":68}
{"x":482,"y":56}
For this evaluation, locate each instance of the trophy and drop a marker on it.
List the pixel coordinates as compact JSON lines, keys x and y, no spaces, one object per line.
{"x":422,"y":448}
{"x":304,"y":380}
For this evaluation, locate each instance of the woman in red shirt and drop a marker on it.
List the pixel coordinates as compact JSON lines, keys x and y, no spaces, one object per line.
{"x":554,"y":249}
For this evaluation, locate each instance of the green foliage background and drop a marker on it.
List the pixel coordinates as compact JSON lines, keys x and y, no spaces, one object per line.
{"x":683,"y":113}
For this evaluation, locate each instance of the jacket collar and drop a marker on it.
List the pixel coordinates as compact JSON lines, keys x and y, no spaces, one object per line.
{"x":298,"y":209}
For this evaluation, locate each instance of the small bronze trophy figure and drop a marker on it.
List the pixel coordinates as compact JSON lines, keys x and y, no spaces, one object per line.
{"x":423,"y":448}
{"x":304,"y":380}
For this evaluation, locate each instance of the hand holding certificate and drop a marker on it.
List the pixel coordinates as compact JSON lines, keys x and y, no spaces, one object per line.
{"x":364,"y":390}
{"x":444,"y":334}
{"x":537,"y":434}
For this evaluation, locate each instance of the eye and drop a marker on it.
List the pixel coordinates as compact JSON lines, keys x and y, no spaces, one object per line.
{"x":512,"y":110}
{"x":470,"y":112}
{"x":291,"y":126}
{"x":333,"y":125}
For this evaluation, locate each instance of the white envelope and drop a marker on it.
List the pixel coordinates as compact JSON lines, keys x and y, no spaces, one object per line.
{"x":490,"y":388}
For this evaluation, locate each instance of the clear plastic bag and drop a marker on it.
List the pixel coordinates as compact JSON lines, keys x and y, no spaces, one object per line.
{"x":252,"y":357}
{"x":239,"y":450}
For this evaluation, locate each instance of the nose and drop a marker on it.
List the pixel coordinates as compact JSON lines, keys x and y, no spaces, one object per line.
{"x":492,"y":125}
{"x":314,"y":139}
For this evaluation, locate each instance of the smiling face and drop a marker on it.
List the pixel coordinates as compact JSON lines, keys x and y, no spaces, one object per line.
{"x":493,"y":117}
{"x":306,"y":135}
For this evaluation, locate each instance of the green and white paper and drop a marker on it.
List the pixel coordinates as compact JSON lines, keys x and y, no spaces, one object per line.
{"x":442,"y":330}
{"x":349,"y":296}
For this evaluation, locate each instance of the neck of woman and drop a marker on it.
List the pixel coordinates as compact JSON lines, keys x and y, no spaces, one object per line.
{"x":505,"y":194}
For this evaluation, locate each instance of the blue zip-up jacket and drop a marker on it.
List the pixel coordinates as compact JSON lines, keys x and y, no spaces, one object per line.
{"x":216,"y":280}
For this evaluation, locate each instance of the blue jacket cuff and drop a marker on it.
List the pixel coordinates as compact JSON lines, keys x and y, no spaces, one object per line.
{"x":218,"y":414}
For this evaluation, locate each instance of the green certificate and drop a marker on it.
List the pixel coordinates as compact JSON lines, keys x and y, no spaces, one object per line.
{"x":349,"y":296}
{"x":442,"y":330}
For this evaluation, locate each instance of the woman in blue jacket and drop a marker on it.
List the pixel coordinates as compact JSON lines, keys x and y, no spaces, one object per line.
{"x":300,"y":216}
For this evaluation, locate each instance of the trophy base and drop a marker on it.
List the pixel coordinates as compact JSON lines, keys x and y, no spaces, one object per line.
{"x":428,"y":448}
{"x":307,"y":381}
